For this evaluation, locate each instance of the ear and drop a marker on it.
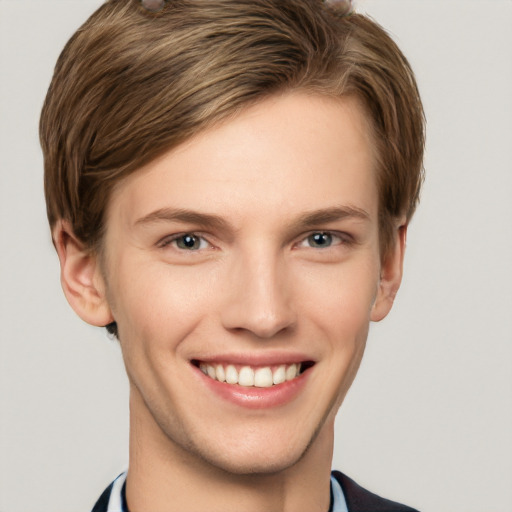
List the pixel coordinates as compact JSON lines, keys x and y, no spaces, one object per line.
{"x":81,"y":278}
{"x":390,"y":275}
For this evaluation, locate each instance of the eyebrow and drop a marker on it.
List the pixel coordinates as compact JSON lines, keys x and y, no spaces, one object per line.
{"x":205,"y":220}
{"x":305,"y":221}
{"x":332,"y":214}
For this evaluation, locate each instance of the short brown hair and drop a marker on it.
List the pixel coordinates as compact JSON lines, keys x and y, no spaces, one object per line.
{"x":132,"y":84}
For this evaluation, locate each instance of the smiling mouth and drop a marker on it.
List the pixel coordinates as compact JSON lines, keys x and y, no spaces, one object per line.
{"x":248,"y":376}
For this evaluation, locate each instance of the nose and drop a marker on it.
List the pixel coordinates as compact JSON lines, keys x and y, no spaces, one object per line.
{"x":259,"y":296}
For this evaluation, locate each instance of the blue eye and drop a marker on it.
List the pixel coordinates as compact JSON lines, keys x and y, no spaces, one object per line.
{"x":320,"y":240}
{"x":189,"y":242}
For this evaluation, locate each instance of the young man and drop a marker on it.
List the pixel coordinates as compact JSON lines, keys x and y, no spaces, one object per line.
{"x":229,"y":184}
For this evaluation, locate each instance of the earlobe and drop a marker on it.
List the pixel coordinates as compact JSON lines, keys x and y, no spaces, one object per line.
{"x":81,"y":278}
{"x":391,"y":276}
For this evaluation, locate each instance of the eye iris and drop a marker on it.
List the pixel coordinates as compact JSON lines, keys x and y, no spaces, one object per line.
{"x":188,"y":242}
{"x":320,"y":239}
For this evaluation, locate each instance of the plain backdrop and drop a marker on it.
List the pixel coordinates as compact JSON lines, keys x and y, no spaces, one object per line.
{"x":429,"y":418}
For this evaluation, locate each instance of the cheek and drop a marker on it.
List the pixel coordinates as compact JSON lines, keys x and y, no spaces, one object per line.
{"x":159,"y":303}
{"x":342,"y":295}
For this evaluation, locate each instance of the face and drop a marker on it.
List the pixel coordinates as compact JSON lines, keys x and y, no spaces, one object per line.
{"x":243,"y":270}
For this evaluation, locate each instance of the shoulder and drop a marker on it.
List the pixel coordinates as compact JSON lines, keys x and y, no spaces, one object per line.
{"x":361,"y":500}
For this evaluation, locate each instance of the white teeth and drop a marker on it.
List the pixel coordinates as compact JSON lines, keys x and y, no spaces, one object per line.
{"x":279,"y":375}
{"x":231,"y":375}
{"x":263,"y":378}
{"x":291,"y":372}
{"x":220,"y":373}
{"x":248,"y":377}
{"x":211,"y":371}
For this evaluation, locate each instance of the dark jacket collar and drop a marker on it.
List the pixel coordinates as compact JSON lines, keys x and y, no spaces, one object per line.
{"x":361,"y":500}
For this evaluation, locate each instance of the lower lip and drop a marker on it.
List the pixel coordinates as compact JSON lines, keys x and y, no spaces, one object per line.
{"x":253,"y":397}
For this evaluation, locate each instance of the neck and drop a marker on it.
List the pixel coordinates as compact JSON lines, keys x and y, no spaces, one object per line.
{"x":165,"y":477}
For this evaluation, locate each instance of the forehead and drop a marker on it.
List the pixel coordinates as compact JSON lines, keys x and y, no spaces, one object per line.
{"x":287,"y":154}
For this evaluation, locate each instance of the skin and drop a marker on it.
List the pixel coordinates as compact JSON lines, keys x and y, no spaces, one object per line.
{"x":257,"y":284}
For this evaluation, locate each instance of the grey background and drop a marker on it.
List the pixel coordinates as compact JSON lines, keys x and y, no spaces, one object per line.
{"x":429,"y":418}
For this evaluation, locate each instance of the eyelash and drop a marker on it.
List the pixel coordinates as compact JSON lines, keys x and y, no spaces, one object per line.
{"x":336,"y":237}
{"x":173,"y":239}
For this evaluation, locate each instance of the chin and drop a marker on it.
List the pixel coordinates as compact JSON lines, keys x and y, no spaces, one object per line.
{"x":259,"y":457}
{"x":260,"y":465}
